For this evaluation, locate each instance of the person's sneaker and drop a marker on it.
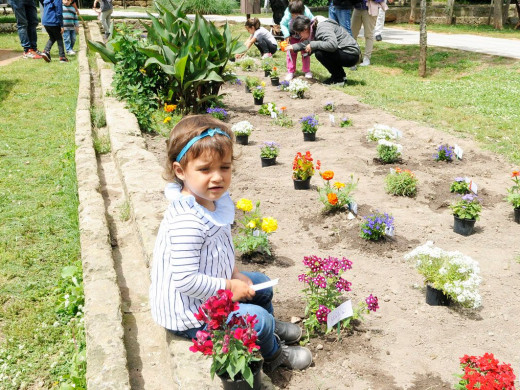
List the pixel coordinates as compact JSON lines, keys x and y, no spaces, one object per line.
{"x":288,"y":332}
{"x":353,"y":68}
{"x":71,"y":53}
{"x":292,"y":357}
{"x":334,"y":81}
{"x":266,"y":55}
{"x":366,"y":62}
{"x":289,"y":76}
{"x":64,"y":59}
{"x":379,"y":38}
{"x":308,"y":75}
{"x":28,"y":54}
{"x":46,"y":56}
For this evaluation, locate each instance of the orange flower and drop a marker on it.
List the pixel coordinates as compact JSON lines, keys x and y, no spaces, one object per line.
{"x":170,"y":107}
{"x":397,"y":170}
{"x":275,"y":68}
{"x":327,"y":175}
{"x":332,"y":198}
{"x":516,"y":173}
{"x":284,"y":108}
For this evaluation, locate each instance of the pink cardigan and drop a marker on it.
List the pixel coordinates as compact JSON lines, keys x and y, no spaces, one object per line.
{"x":373,"y":7}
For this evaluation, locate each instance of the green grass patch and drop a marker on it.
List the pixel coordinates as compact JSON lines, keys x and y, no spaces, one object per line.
{"x":483,"y":30}
{"x":38,"y":210}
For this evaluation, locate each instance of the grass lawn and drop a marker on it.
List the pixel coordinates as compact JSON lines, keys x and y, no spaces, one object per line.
{"x":39,"y":221}
{"x":470,"y":94}
{"x":508,"y":32}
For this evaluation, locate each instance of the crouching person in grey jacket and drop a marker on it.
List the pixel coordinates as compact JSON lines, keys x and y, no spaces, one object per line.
{"x":332,"y":45}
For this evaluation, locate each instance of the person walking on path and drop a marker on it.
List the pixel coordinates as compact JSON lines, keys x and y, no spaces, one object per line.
{"x":194,"y":256}
{"x":332,"y":45}
{"x":26,"y":15}
{"x":341,"y":12}
{"x":380,"y":23}
{"x":52,"y":20}
{"x":70,"y":26}
{"x":295,"y":9}
{"x":105,"y":12}
{"x":365,"y":13}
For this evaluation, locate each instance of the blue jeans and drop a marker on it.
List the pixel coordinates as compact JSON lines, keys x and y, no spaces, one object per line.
{"x":26,"y":22}
{"x":69,"y":38}
{"x":342,"y":16}
{"x":261,"y":306}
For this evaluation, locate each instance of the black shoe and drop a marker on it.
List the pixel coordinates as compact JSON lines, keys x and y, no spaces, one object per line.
{"x":46,"y":56}
{"x":288,"y":332}
{"x":335,"y":81}
{"x":294,"y":358}
{"x":379,"y":37}
{"x":64,"y":59}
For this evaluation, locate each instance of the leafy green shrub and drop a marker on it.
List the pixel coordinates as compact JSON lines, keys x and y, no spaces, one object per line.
{"x":401,"y":182}
{"x":388,"y":152}
{"x":217,"y":7}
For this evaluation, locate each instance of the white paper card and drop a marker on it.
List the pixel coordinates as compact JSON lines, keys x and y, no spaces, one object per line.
{"x":332,"y":119}
{"x":392,"y":171}
{"x":256,"y":233}
{"x":339,"y":313}
{"x":353,"y":207}
{"x":472,"y":185}
{"x":274,"y":115}
{"x":458,"y":151}
{"x":350,"y":216}
{"x":261,"y":286}
{"x":389,"y":231}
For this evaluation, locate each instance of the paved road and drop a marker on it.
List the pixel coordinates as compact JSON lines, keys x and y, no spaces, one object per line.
{"x":476,"y":43}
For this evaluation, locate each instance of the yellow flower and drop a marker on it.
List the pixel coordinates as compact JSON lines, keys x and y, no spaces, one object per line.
{"x":170,"y":107}
{"x":245,"y":205}
{"x":262,"y":83}
{"x":339,"y":185}
{"x":251,"y":224}
{"x":142,"y":70}
{"x":269,"y":224}
{"x":167,"y":119}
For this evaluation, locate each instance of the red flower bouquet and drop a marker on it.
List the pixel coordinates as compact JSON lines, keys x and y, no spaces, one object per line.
{"x":232,"y":344}
{"x":484,"y":372}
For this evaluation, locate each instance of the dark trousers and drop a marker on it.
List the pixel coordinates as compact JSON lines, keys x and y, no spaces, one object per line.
{"x":54,"y":35}
{"x":265,"y":46}
{"x":335,"y":61}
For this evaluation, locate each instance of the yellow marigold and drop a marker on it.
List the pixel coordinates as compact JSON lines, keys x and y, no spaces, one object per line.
{"x":269,"y":224}
{"x":167,"y":119}
{"x":170,"y":107}
{"x":332,"y":198}
{"x":262,"y":83}
{"x":251,"y":224}
{"x":245,"y":205}
{"x":339,"y":185}
{"x":327,"y":175}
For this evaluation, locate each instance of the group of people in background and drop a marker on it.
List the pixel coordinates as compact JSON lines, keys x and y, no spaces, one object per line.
{"x":332,"y":40}
{"x":60,"y":20}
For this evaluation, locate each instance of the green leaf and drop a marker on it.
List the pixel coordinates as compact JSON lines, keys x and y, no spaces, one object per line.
{"x":105,"y":53}
{"x":68,"y":272}
{"x":248,"y":376}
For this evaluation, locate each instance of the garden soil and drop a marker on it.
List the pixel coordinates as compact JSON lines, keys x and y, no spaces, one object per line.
{"x":406,"y":344}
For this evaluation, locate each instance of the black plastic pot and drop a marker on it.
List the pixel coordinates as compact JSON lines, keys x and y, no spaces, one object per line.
{"x":463,"y":226}
{"x":242,"y":139}
{"x":309,"y":136}
{"x":302,"y":184}
{"x":275,"y":81}
{"x":267,"y":162}
{"x":241,"y":384}
{"x":436,"y":297}
{"x":517,"y":215}
{"x":259,"y":101}
{"x":248,"y":90}
{"x":267,"y":73}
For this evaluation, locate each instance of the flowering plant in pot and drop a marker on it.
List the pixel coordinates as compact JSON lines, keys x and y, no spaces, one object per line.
{"x":465,"y":212}
{"x":303,"y":169}
{"x":284,"y":85}
{"x":388,"y":152}
{"x":242,"y":131}
{"x":338,"y":195}
{"x":324,"y":291}
{"x":514,"y":194}
{"x":376,"y":226}
{"x":230,"y":343}
{"x":444,"y":153}
{"x":401,"y":182}
{"x":452,"y":272}
{"x":251,"y":83}
{"x":267,"y":65}
{"x":379,"y":131}
{"x":297,"y":88}
{"x":485,"y":372}
{"x":275,"y":77}
{"x":269,"y":150}
{"x":309,"y":127}
{"x":460,"y":186}
{"x":218,"y":113}
{"x":282,"y":119}
{"x":254,"y":230}
{"x":259,"y":93}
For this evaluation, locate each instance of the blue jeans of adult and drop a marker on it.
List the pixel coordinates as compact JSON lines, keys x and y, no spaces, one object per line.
{"x":69,"y":38}
{"x":26,"y":22}
{"x":263,"y":308}
{"x":342,"y":16}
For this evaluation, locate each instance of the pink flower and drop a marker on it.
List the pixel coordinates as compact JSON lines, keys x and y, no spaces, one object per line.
{"x":202,"y":343}
{"x":372,"y":303}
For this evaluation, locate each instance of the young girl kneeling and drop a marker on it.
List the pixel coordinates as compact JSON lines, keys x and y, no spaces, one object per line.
{"x":261,"y":38}
{"x":194,"y":255}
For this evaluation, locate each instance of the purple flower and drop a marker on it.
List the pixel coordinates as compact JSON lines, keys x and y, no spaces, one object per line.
{"x":322,"y":314}
{"x":459,"y":179}
{"x":468,"y":198}
{"x":444,"y":153}
{"x":309,"y":123}
{"x":343,"y":285}
{"x":217,"y":112}
{"x":372,"y":303}
{"x":320,"y":281}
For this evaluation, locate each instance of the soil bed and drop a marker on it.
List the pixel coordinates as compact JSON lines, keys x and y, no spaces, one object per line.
{"x":406,"y":344}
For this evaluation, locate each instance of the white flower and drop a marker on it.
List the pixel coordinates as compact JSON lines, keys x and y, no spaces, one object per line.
{"x":390,"y":144}
{"x":383,"y":132}
{"x":296,"y":86}
{"x":242,"y":128}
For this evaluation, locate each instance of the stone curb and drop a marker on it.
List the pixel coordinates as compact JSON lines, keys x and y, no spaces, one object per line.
{"x":106,"y":355}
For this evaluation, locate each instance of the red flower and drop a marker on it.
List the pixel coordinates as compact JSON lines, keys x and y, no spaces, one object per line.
{"x":516,"y":174}
{"x":202,"y":343}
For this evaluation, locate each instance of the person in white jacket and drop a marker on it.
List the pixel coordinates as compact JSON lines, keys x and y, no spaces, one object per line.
{"x":365,"y":13}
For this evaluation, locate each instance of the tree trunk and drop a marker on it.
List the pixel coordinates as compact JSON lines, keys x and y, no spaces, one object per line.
{"x":497,"y":15}
{"x":449,"y":11}
{"x":413,"y":5}
{"x":423,"y":41}
{"x":505,"y":12}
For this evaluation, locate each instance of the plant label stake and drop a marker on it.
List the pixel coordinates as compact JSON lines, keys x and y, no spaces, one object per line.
{"x":472,"y":185}
{"x":274,"y":115}
{"x":392,"y":171}
{"x":389,"y":231}
{"x":458,"y":152}
{"x":353,"y":207}
{"x":256,"y":233}
{"x":339,"y":313}
{"x":331,"y":119}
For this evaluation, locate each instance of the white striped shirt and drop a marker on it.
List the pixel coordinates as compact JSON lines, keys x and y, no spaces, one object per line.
{"x":193,"y":257}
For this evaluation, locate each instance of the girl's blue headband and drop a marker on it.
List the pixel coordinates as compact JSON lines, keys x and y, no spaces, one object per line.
{"x":205,"y":133}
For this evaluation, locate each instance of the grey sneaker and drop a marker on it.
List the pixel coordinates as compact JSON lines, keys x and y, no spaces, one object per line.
{"x":292,"y":357}
{"x":366,"y":62}
{"x":288,"y":332}
{"x":379,"y":38}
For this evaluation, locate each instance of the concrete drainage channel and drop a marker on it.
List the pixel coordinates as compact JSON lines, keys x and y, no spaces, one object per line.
{"x":125,"y":348}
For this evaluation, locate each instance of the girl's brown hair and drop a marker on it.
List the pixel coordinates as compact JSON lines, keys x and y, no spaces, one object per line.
{"x":253,"y":22}
{"x":296,"y":7}
{"x":188,"y":128}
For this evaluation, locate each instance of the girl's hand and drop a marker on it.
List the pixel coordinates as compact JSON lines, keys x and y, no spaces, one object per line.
{"x":288,"y":48}
{"x":308,"y":48}
{"x":241,"y":290}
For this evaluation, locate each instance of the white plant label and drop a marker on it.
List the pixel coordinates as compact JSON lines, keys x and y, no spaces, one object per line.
{"x":261,"y":286}
{"x":256,"y":233}
{"x":339,"y":313}
{"x":472,"y":185}
{"x":389,"y":231}
{"x":353,"y":207}
{"x":274,"y":115}
{"x":350,"y":216}
{"x":458,"y":151}
{"x":392,"y":171}
{"x":332,"y":119}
